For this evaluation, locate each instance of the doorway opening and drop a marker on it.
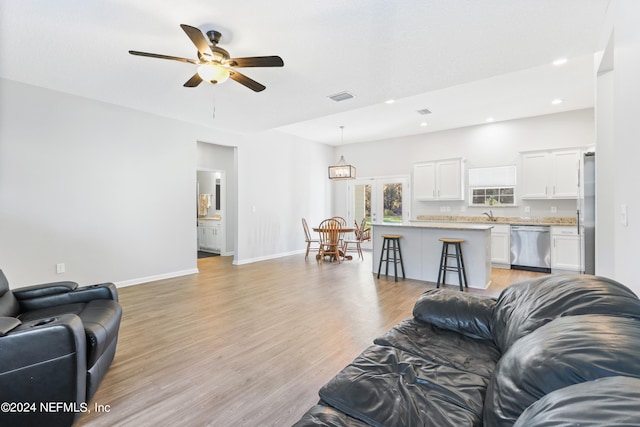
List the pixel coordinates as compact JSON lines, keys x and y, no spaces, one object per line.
{"x":216,"y":199}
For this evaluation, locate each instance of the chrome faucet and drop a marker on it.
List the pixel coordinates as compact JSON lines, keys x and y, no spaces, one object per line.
{"x":490,"y":216}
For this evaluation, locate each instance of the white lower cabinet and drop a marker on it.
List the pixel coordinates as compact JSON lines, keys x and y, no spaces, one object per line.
{"x":565,"y":249}
{"x":501,"y":246}
{"x":209,"y":235}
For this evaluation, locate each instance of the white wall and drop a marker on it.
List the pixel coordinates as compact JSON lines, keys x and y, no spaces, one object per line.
{"x":91,"y":185}
{"x":110,"y":191}
{"x":285,"y":180}
{"x":618,"y":134}
{"x":492,"y":144}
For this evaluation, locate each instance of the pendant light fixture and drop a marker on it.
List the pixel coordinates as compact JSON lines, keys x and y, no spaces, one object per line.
{"x":342,"y":170}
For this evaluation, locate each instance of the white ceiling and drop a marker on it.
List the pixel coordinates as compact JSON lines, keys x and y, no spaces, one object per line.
{"x":464,"y":60}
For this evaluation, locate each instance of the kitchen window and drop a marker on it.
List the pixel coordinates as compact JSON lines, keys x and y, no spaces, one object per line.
{"x":495,"y":186}
{"x":492,"y":196}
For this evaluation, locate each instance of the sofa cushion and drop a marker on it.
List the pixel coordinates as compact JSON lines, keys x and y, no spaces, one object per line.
{"x":612,"y":401}
{"x":325,"y":416}
{"x":566,"y":351}
{"x":524,"y":307}
{"x":443,"y":346}
{"x":385,"y":386}
{"x":467,"y":314}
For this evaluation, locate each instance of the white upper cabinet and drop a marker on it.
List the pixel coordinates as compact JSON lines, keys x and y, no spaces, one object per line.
{"x":438,"y":180}
{"x":566,"y":168}
{"x":550,"y":174}
{"x":424,"y":181}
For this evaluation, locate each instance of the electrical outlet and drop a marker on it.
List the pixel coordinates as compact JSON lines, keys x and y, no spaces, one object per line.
{"x":527,"y":209}
{"x":60,"y":268}
{"x":554,"y":209}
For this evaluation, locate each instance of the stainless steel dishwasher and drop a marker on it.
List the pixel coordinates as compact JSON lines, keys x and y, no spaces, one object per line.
{"x":530,"y":248}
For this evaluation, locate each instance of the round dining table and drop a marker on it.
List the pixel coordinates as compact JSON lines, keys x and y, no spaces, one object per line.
{"x":340,"y":230}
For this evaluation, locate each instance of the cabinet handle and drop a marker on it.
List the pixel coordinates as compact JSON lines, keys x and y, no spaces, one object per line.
{"x":546,"y":188}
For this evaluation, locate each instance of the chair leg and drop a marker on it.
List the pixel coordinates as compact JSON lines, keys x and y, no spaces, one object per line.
{"x":306,"y":255}
{"x":395,"y":262}
{"x":442,"y":265}
{"x":459,"y":267}
{"x":386,"y":268}
{"x":401,"y":264}
{"x":464,"y":274}
{"x":381,"y":254}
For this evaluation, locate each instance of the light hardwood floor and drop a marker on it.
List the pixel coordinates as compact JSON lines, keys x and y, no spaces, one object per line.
{"x":247,"y":345}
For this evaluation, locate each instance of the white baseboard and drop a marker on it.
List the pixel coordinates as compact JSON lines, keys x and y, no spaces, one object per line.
{"x":267,"y":257}
{"x":170,"y":275}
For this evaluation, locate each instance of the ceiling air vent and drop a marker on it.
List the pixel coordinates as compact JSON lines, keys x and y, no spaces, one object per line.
{"x":424,"y":112}
{"x":342,"y":96}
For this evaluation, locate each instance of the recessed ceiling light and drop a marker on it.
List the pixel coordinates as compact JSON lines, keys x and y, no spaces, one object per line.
{"x":389,"y":101}
{"x":560,"y":61}
{"x":424,"y":124}
{"x":489,"y":119}
{"x":556,"y":101}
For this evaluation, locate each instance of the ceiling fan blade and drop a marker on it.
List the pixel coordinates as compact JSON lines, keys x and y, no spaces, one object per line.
{"x":198,"y":39}
{"x":256,"y":61}
{"x":244,"y":80}
{"x":155,"y":55}
{"x":194,"y":81}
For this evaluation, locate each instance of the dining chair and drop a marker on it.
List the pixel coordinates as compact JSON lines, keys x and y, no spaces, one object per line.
{"x":362,"y":234}
{"x":343,"y":224}
{"x":309,"y":240}
{"x":330,"y":238}
{"x":365,"y":231}
{"x":342,"y":221}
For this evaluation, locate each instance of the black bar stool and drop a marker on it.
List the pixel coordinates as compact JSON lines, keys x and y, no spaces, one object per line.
{"x":444,"y":262}
{"x":391,"y":243}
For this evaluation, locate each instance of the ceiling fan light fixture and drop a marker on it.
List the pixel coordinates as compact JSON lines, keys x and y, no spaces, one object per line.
{"x":213,"y":73}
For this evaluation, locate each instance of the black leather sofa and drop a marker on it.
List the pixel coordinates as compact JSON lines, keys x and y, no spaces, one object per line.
{"x":555,"y":351}
{"x":57,"y":341}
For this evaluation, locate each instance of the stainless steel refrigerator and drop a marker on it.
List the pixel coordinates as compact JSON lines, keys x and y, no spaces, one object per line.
{"x":587,"y":213}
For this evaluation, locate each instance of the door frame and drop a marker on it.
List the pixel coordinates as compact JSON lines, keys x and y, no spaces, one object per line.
{"x":376,"y":183}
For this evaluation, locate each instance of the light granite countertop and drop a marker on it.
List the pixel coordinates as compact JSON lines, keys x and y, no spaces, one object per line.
{"x":446,"y":225}
{"x":510,"y":220}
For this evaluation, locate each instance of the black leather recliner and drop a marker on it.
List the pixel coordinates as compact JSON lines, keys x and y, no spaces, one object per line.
{"x":57,"y":341}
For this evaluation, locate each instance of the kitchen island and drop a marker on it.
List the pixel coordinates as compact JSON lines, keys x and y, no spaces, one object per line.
{"x":421,"y":250}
